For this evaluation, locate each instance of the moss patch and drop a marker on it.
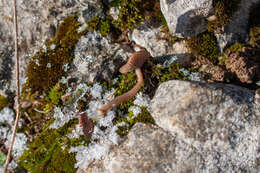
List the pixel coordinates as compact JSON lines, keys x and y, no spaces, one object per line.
{"x":3,"y":102}
{"x":204,"y":45}
{"x":162,"y":74}
{"x":129,"y":121}
{"x":46,"y":67}
{"x":223,"y":10}
{"x":254,"y":26}
{"x":45,"y":154}
{"x":131,"y":13}
{"x":237,"y":47}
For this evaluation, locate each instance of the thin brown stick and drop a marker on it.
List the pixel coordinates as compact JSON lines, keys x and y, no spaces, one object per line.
{"x":126,"y":96}
{"x":17,"y":86}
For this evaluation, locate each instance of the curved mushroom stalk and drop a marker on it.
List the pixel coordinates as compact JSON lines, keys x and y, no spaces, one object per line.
{"x":126,"y":96}
{"x":136,"y":61}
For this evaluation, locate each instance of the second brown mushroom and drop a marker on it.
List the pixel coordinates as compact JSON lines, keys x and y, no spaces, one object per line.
{"x":135,"y":62}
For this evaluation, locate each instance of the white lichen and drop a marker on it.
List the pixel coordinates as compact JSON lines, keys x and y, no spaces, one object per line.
{"x":7,"y":116}
{"x":19,"y":144}
{"x":52,"y":46}
{"x":142,"y":99}
{"x":61,"y":117}
{"x":136,"y":111}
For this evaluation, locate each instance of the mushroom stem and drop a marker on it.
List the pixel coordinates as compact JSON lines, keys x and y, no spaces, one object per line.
{"x":126,"y":96}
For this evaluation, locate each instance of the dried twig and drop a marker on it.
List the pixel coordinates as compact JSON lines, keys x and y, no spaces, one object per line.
{"x":86,"y":124}
{"x":17,"y":86}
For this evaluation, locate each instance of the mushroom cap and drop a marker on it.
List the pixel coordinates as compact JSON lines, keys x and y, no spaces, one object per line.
{"x":135,"y":61}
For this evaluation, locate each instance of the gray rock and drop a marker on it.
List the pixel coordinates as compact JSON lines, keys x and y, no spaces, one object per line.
{"x":237,"y":29}
{"x":218,"y":122}
{"x":37,"y":22}
{"x":146,"y":149}
{"x":91,"y":10}
{"x":186,"y":18}
{"x":153,"y":40}
{"x":97,"y":58}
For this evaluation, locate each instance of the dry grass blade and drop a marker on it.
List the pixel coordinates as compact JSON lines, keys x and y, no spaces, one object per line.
{"x":17,"y":86}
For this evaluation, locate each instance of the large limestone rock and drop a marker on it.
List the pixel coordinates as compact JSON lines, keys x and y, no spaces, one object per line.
{"x":186,"y":18}
{"x":219,"y":122}
{"x":146,"y":149}
{"x":202,"y":128}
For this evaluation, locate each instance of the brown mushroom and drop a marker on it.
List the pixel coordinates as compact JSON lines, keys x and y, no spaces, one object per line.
{"x":135,"y":62}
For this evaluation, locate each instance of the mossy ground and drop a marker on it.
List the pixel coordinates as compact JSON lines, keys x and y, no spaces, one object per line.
{"x":3,"y":102}
{"x":47,"y":66}
{"x":44,"y":90}
{"x":254,"y":26}
{"x":154,"y":75}
{"x":45,"y":154}
{"x":205,"y":45}
{"x":44,"y":71}
{"x":131,"y":13}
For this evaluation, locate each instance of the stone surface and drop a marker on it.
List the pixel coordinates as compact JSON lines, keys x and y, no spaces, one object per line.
{"x":97,"y":58}
{"x":37,"y":22}
{"x":186,"y":18}
{"x":146,"y":149}
{"x":156,"y":43}
{"x":219,"y":122}
{"x":237,"y":29}
{"x":202,"y":128}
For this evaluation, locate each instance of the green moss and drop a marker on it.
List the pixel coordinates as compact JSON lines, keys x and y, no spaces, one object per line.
{"x":254,"y":26}
{"x":162,"y":74}
{"x":124,"y":83}
{"x":255,"y":36}
{"x":45,"y":153}
{"x":223,"y":10}
{"x":46,"y":67}
{"x":2,"y":158}
{"x":131,"y":13}
{"x":237,"y":47}
{"x":3,"y":102}
{"x":204,"y":45}
{"x":54,"y":96}
{"x":143,"y":117}
{"x":104,"y":26}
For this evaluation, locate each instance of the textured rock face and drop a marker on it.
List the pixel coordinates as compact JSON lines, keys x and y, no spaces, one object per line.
{"x":156,"y":43}
{"x":37,"y":21}
{"x":202,"y":128}
{"x":186,"y":18}
{"x":96,"y":58}
{"x":147,"y":36}
{"x":146,"y":149}
{"x":218,"y":122}
{"x":237,"y":29}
